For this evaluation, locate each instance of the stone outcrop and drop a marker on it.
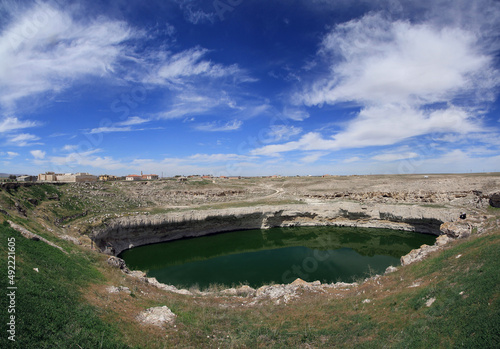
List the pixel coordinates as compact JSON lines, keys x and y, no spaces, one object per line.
{"x":456,"y":230}
{"x":118,"y":234}
{"x":450,"y":231}
{"x":118,"y":289}
{"x":157,"y":316}
{"x":418,"y":254}
{"x":118,"y":263}
{"x":494,"y":199}
{"x":470,"y":198}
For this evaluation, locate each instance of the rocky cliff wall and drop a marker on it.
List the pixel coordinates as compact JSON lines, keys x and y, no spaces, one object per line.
{"x":119,"y":234}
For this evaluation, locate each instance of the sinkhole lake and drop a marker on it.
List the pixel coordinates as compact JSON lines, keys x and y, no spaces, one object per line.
{"x":277,"y":255}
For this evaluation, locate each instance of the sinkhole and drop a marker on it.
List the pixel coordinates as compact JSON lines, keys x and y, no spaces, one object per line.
{"x":278,"y":255}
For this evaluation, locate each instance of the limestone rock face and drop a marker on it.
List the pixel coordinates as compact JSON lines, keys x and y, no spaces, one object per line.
{"x":495,"y":199}
{"x":117,"y":263}
{"x":442,"y":240}
{"x":418,"y":254}
{"x":157,"y":316}
{"x":456,"y":230}
{"x":122,"y":233}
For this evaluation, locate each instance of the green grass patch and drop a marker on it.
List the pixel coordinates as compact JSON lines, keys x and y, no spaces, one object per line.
{"x":49,"y":310}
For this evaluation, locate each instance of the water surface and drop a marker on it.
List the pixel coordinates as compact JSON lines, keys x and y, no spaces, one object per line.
{"x":278,"y":255}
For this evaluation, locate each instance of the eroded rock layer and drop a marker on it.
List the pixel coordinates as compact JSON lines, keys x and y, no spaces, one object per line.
{"x":119,"y":234}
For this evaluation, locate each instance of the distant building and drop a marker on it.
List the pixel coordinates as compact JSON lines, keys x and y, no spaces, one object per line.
{"x":66,"y":177}
{"x":47,"y":177}
{"x":150,"y":176}
{"x":106,"y":178}
{"x":133,"y":178}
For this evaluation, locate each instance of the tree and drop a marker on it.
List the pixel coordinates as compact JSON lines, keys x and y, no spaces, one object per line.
{"x":13,"y":177}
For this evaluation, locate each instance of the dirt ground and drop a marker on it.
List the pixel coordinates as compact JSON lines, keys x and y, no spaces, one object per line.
{"x":437,"y":189}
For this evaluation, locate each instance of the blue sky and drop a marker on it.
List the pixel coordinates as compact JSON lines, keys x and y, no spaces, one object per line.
{"x":241,"y":87}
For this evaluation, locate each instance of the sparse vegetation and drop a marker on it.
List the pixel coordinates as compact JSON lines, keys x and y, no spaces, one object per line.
{"x":49,"y":309}
{"x":451,"y":299}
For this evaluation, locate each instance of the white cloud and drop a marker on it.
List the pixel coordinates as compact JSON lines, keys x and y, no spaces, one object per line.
{"x":283,"y":132}
{"x":38,"y":154}
{"x":313,"y":157}
{"x":133,"y":120}
{"x":217,"y":127}
{"x":218,"y":157}
{"x":295,"y":114}
{"x":389,"y":62}
{"x":179,"y":68}
{"x":123,"y":126}
{"x":109,"y":129}
{"x":44,"y":49}
{"x":352,"y":159}
{"x":23,"y":139}
{"x":309,"y":141}
{"x":395,"y":71}
{"x":10,"y":154}
{"x":194,"y":14}
{"x":88,"y":158}
{"x":193,"y":102}
{"x":395,"y":156}
{"x":12,"y":124}
{"x":70,"y":147}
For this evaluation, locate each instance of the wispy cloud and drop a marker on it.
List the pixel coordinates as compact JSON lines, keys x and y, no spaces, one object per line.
{"x":216,"y":126}
{"x":295,"y":114}
{"x":212,"y":158}
{"x":133,"y":120}
{"x":395,"y":156}
{"x":110,"y":129}
{"x":13,"y":124}
{"x":122,"y":126}
{"x":194,"y":13}
{"x":9,"y":155}
{"x":313,"y":157}
{"x":352,"y":159}
{"x":408,"y":79}
{"x":59,"y":52}
{"x":283,"y":132}
{"x":183,"y":67}
{"x":23,"y":140}
{"x":87,"y":158}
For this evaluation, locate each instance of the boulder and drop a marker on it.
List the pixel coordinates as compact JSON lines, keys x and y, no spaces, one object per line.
{"x":390,"y":269}
{"x":157,"y":316}
{"x":495,"y":199}
{"x":118,"y":263}
{"x":456,"y":230}
{"x":442,"y":240}
{"x":418,"y":254}
{"x":118,"y":289}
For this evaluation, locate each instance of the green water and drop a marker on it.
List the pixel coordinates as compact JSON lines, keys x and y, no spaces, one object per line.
{"x":278,"y":255}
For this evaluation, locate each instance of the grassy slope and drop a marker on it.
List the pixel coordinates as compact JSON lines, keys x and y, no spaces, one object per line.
{"x":53,"y":309}
{"x":466,"y":312}
{"x":49,"y":309}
